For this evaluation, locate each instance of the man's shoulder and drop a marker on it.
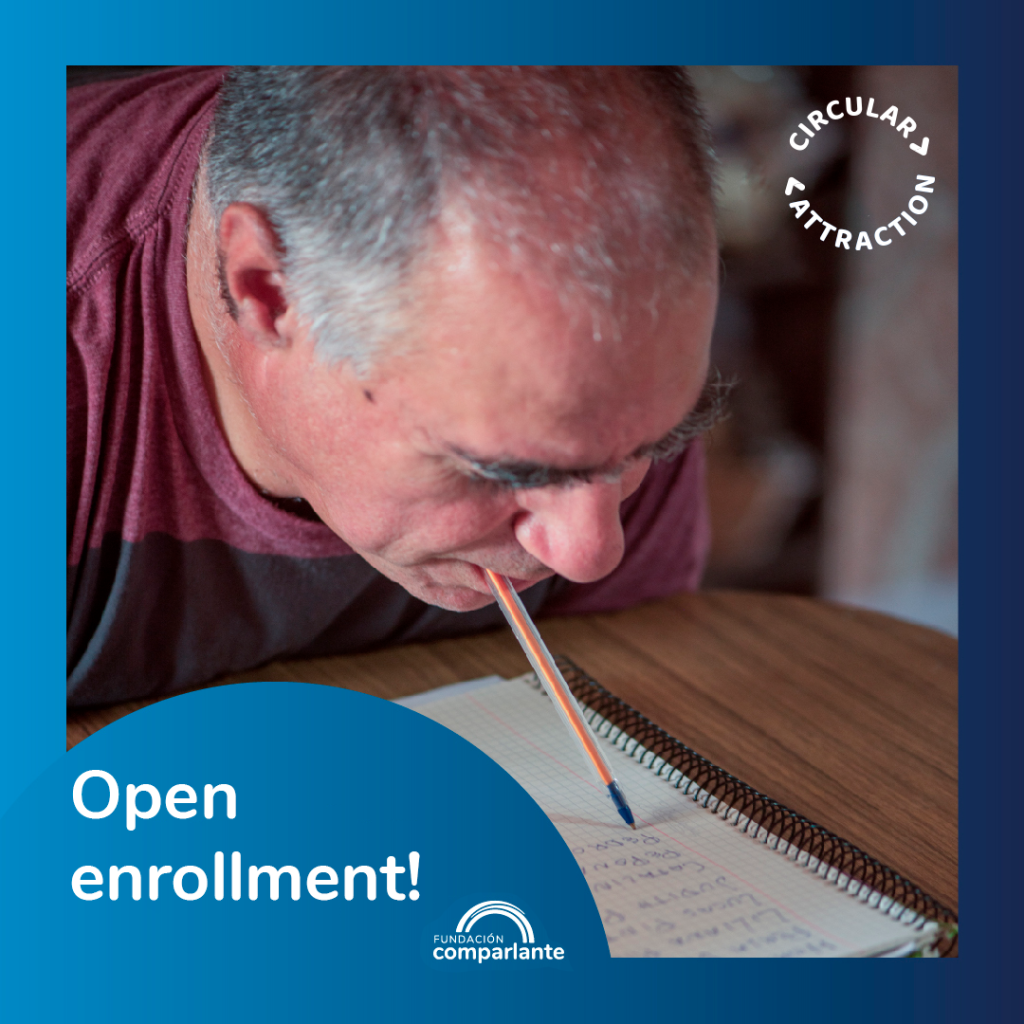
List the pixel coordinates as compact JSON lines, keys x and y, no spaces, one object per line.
{"x":125,"y":145}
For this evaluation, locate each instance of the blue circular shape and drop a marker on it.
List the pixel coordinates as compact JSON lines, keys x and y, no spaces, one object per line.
{"x":322,"y":779}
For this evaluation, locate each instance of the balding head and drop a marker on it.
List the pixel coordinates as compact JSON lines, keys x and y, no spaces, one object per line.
{"x":583,"y":175}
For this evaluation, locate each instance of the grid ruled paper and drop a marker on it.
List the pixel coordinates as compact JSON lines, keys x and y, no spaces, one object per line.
{"x":685,"y":883}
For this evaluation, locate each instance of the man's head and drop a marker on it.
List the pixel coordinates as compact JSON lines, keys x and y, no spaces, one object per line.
{"x":462,"y":309}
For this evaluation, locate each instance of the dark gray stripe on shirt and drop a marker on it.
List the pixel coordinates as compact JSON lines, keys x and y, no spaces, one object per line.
{"x":160,"y":615}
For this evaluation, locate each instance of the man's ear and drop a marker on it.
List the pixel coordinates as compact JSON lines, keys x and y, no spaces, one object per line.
{"x":250,"y":269}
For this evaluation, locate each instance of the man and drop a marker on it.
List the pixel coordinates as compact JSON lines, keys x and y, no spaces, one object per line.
{"x":340,"y":338}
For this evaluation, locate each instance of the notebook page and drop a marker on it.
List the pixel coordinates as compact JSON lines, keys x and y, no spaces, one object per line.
{"x":685,"y":883}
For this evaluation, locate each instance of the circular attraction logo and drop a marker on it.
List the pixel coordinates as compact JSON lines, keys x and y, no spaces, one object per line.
{"x":919,"y":186}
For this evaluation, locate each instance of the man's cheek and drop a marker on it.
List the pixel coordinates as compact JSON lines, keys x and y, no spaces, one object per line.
{"x":409,"y":526}
{"x":450,"y":526}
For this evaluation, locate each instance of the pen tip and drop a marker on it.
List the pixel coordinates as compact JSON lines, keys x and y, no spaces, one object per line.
{"x":632,"y":825}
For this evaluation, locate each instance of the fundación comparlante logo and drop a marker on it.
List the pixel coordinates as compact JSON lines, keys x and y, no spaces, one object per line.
{"x":473,"y":942}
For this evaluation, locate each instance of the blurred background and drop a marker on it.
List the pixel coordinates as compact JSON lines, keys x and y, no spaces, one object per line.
{"x":836,"y":475}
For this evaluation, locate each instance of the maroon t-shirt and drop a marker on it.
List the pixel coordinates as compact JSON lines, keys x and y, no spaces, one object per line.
{"x":178,"y":569}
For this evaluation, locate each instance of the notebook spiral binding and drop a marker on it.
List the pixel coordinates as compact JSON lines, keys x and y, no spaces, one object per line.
{"x":777,"y":826}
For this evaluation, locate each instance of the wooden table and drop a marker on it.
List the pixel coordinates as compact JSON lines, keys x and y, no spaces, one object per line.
{"x":846,"y":716}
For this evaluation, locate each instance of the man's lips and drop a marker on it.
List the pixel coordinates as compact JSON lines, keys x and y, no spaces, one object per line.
{"x":517,"y":582}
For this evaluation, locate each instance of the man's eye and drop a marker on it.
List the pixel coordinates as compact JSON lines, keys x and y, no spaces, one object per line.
{"x":484,"y":482}
{"x":488,"y":483}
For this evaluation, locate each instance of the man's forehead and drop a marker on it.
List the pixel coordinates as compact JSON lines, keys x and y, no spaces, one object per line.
{"x":476,"y":300}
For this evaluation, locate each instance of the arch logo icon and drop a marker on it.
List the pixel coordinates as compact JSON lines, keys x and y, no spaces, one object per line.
{"x":488,"y":907}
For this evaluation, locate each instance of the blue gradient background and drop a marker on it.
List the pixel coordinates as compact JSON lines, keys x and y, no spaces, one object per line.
{"x":984,"y":39}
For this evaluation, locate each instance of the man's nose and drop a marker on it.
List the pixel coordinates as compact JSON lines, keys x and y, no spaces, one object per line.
{"x":574,"y":530}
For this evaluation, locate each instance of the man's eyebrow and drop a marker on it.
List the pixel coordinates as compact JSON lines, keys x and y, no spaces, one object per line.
{"x":517,"y":474}
{"x":710,"y":408}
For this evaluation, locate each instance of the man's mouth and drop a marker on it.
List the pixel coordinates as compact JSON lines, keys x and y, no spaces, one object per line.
{"x":519,"y":583}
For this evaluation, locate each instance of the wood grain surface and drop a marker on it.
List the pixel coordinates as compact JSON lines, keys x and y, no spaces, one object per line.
{"x":846,"y":716}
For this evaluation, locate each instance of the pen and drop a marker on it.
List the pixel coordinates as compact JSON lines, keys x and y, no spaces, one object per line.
{"x":557,"y":688}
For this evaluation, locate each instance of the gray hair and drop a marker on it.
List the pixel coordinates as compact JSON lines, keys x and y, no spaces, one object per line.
{"x":353,"y":167}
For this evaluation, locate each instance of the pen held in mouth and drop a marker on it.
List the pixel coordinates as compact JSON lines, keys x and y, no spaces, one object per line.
{"x":555,"y":685}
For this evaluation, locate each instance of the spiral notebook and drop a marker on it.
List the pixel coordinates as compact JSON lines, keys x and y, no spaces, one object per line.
{"x":715,"y":869}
